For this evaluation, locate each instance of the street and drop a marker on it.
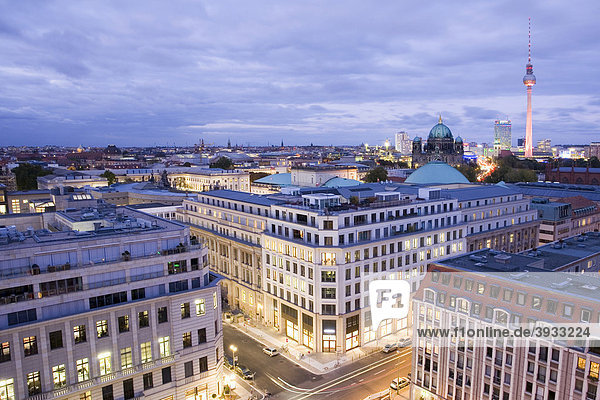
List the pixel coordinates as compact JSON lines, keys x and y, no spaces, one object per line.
{"x":286,"y":380}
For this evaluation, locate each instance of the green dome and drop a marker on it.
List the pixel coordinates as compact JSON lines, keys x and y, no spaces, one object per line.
{"x":440,"y":131}
{"x":436,"y":172}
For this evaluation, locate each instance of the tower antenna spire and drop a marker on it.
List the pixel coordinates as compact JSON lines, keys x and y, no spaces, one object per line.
{"x":529,"y":58}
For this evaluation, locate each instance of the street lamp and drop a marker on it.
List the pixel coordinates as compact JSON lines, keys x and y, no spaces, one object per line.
{"x":233,"y":349}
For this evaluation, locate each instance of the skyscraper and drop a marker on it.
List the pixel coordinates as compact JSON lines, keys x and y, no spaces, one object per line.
{"x":403,"y":142}
{"x":502,"y":134}
{"x":529,"y":81}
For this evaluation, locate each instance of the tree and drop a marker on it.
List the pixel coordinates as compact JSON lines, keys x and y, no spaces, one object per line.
{"x":110,"y":176}
{"x":223,"y":163}
{"x":377,"y":174}
{"x":27,"y":175}
{"x":469,"y":171}
{"x":257,"y":175}
{"x":187,"y":164}
{"x":594,"y":162}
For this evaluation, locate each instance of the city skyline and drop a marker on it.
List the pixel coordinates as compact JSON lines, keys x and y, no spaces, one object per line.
{"x":154,"y":75}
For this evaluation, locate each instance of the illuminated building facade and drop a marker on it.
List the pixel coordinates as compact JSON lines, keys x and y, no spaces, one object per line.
{"x":502,"y":135}
{"x":112,"y":303}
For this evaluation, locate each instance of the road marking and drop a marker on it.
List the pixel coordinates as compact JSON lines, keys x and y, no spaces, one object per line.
{"x":344,"y":378}
{"x":379,"y":372}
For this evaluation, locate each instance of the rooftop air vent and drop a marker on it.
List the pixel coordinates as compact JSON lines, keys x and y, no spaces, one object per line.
{"x":562,"y":285}
{"x":519,"y":275}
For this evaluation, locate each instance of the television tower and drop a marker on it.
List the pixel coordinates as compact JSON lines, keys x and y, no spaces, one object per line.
{"x":529,"y":81}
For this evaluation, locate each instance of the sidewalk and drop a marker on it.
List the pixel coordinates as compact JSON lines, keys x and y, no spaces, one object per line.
{"x":317,"y":363}
{"x":245,"y":390}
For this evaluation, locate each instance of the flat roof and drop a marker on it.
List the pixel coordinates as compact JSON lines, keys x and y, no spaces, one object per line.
{"x":245,"y":197}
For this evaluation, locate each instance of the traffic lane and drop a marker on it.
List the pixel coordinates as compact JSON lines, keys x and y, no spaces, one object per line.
{"x":250,"y":354}
{"x":357,"y":385}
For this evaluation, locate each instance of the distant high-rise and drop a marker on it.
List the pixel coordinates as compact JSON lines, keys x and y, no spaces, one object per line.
{"x":403,"y":143}
{"x":502,"y":135}
{"x":544,"y":145}
{"x":529,"y":81}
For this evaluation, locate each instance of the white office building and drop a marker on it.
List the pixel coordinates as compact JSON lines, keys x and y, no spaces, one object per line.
{"x":107,"y":303}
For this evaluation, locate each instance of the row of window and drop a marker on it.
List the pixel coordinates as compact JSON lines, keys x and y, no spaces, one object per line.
{"x":509,"y":295}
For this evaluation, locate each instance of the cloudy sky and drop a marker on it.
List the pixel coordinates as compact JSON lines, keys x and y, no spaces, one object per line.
{"x":326,"y":72}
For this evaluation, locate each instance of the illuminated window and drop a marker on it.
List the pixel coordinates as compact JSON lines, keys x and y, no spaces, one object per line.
{"x":200,"y":307}
{"x":79,"y":334}
{"x":34,"y":384}
{"x":83,"y":370}
{"x":594,"y":368}
{"x":59,"y":376}
{"x":581,"y":363}
{"x":30,"y":346}
{"x":215,"y":303}
{"x":7,"y":389}
{"x":146,"y":352}
{"x":4,"y":351}
{"x":85,"y":396}
{"x":102,"y":328}
{"x":104,"y":362}
{"x":126,"y":359}
{"x":164,"y":346}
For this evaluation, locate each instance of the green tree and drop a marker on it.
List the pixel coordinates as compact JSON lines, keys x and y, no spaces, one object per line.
{"x":27,"y":175}
{"x":110,"y":176}
{"x":470,"y":171}
{"x":257,"y":175}
{"x":377,"y":174}
{"x":594,"y":162}
{"x":223,"y":163}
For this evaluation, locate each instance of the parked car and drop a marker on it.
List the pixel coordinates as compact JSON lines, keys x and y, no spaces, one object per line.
{"x":388,"y":348}
{"x":406,"y":342}
{"x":399,"y":383}
{"x":244,"y":372}
{"x":270,"y":351}
{"x":228,"y":362}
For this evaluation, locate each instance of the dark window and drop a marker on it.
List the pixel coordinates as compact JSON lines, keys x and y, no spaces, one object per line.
{"x":148,"y":383}
{"x":202,"y":335}
{"x":166,"y":375}
{"x":137,"y":294}
{"x":56,"y":341}
{"x":189,"y":369}
{"x":178,"y":286}
{"x":108,"y":300}
{"x":162,"y":315}
{"x":123,"y":323}
{"x":107,"y":393}
{"x":203,"y":364}
{"x":128,"y":391}
{"x":22,"y":317}
{"x":143,"y":319}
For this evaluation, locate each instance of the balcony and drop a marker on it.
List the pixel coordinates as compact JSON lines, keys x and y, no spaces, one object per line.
{"x":36,"y":270}
{"x":101,"y":379}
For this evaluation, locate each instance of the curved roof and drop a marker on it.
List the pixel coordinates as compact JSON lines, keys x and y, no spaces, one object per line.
{"x":276,"y":179}
{"x":340,"y":182}
{"x":436,"y":172}
{"x":440,"y":131}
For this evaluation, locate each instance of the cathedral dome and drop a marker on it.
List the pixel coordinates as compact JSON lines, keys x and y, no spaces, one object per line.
{"x":458,"y":139}
{"x":417,"y":139}
{"x":440,"y":131}
{"x":436,"y":172}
